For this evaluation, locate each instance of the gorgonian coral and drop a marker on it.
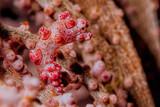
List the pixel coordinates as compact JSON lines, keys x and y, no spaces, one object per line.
{"x":94,"y":73}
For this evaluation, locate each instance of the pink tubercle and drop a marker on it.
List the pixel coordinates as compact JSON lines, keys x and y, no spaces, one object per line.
{"x":105,"y":76}
{"x":98,"y":68}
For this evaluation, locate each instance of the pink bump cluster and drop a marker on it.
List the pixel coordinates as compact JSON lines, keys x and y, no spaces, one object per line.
{"x":12,"y":59}
{"x":100,"y":72}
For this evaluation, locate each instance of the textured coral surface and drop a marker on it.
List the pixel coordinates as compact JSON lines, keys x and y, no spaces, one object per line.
{"x":76,"y":53}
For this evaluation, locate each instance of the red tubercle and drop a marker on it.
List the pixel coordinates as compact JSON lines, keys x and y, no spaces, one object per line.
{"x":70,"y":24}
{"x":44,"y":33}
{"x":59,"y":89}
{"x":50,"y":68}
{"x":44,"y":76}
{"x":54,"y":76}
{"x":80,"y":37}
{"x":64,"y":15}
{"x":84,"y":36}
{"x":58,"y":67}
{"x":56,"y":83}
{"x":36,"y":56}
{"x":59,"y":39}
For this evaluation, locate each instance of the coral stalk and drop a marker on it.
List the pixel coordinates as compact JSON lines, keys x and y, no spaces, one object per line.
{"x":126,"y":60}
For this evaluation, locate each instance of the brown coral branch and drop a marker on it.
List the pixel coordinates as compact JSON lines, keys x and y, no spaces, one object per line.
{"x":113,"y":28}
